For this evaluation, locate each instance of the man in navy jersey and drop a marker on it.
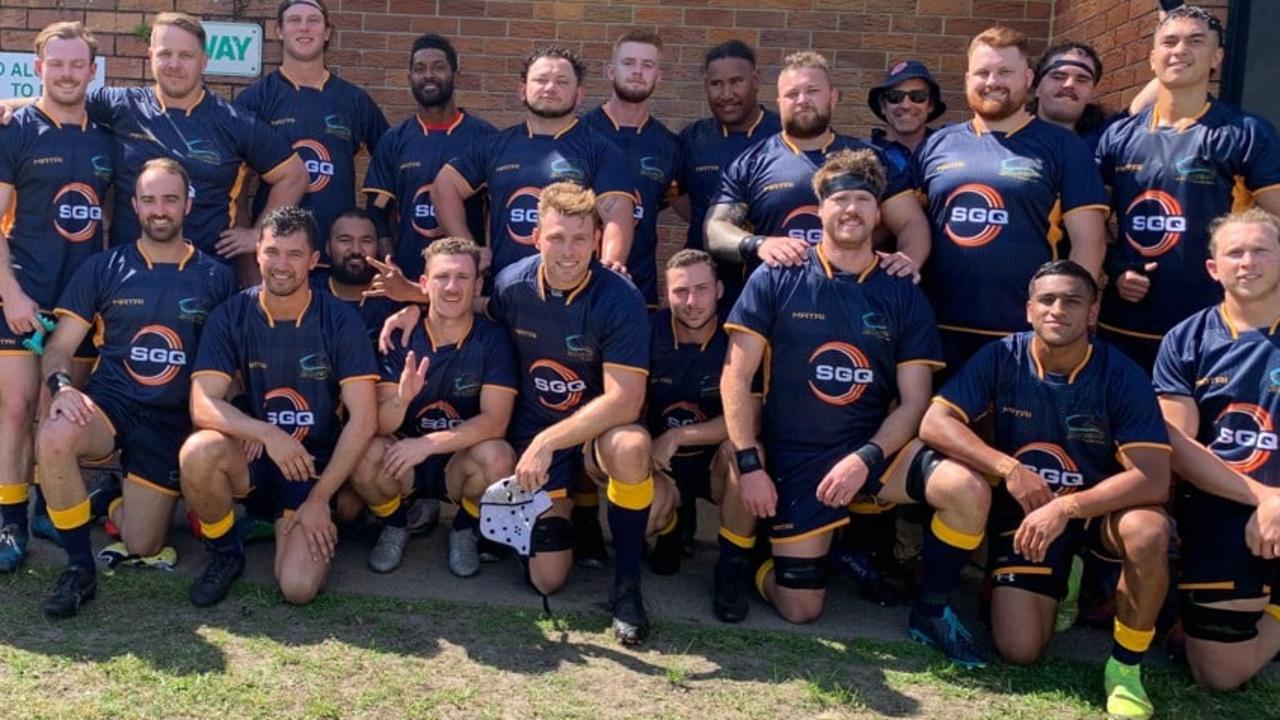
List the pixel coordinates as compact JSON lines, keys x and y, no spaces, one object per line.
{"x":767,"y":189}
{"x":353,"y":240}
{"x":1002,"y":189}
{"x":737,"y":121}
{"x":651,"y":150}
{"x":55,"y":168}
{"x":906,"y":100}
{"x":326,"y":119}
{"x":444,"y":403}
{"x":300,"y":357}
{"x":1083,"y":458}
{"x":409,"y":156}
{"x":850,"y":349}
{"x":149,"y":302}
{"x":1217,"y":382}
{"x":551,"y":145}
{"x":1172,"y":168}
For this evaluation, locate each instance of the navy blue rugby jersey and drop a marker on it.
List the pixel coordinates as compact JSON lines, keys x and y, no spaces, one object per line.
{"x":292,"y":370}
{"x":516,"y":164}
{"x":1069,"y":428}
{"x":835,"y":342}
{"x":1167,"y":184}
{"x":773,"y":179}
{"x":404,"y":165}
{"x":707,"y":147}
{"x":684,"y":378}
{"x":456,"y":374}
{"x":895,"y":153}
{"x":373,"y":311}
{"x":149,"y":319}
{"x":59,"y":175}
{"x":995,"y":206}
{"x":563,"y":339}
{"x":653,"y":154}
{"x":327,"y":127}
{"x":211,"y":139}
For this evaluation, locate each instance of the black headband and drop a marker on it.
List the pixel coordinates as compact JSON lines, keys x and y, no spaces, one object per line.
{"x":1068,"y":62}
{"x":846,"y":181}
{"x":308,"y":3}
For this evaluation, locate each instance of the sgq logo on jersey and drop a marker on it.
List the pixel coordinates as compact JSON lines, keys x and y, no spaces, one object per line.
{"x":1154,"y":223}
{"x":975,"y":215}
{"x":439,"y":415}
{"x":156,"y":356}
{"x":319,"y":164}
{"x":1245,"y":437}
{"x":839,"y":373}
{"x":557,"y":387}
{"x":424,"y":214}
{"x":288,"y":410}
{"x":1053,"y":465}
{"x":77,"y":212}
{"x":803,"y":224}
{"x":522,"y":214}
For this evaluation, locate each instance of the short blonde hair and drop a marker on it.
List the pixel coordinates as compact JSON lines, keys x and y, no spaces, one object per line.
{"x":862,"y":164}
{"x":641,"y":36}
{"x":806,"y":59}
{"x":451,"y":246}
{"x":182,"y":20}
{"x":569,"y":199}
{"x":1252,"y":216}
{"x":66,"y":30}
{"x":1001,"y":36}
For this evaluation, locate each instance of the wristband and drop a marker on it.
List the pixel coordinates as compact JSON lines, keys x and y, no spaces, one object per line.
{"x":1006,"y":466}
{"x":57,"y":381}
{"x":749,"y":246}
{"x":748,"y":461}
{"x":872,"y":456}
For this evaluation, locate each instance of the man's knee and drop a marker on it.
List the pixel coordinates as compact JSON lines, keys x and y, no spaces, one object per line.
{"x":1013,"y":646}
{"x":801,"y":585}
{"x":298,"y":589}
{"x":369,"y":465}
{"x":627,"y":450}
{"x":495,"y":458}
{"x":142,"y":538}
{"x":954,"y":486}
{"x":58,"y":438}
{"x":204,"y":452}
{"x":1144,"y":535}
{"x":549,"y":571}
{"x":17,"y":408}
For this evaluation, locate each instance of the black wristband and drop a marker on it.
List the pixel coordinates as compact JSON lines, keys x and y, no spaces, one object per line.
{"x":748,"y":460}
{"x":57,"y":381}
{"x":749,"y":246}
{"x":872,"y":456}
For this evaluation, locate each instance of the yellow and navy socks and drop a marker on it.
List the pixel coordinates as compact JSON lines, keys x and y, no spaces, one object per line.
{"x":73,"y":529}
{"x":221,"y":536}
{"x":468,"y":516}
{"x":1130,"y":645}
{"x":945,"y":552}
{"x":629,"y":505}
{"x":733,"y":545}
{"x":13,"y":506}
{"x":392,"y":513}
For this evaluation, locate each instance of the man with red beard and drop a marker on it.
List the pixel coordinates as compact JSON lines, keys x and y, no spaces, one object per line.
{"x":1002,"y":189}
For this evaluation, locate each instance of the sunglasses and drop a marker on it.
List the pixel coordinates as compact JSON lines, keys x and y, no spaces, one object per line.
{"x":893,"y":97}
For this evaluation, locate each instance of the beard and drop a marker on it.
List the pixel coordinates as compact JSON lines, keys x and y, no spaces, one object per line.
{"x":430,"y":99}
{"x":993,"y":110}
{"x":161,"y":235}
{"x":548,"y":113}
{"x":809,"y":128}
{"x":353,"y":270}
{"x":629,"y":94}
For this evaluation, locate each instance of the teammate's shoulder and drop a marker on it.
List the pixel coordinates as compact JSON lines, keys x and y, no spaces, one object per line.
{"x":487,"y":330}
{"x":1222,"y":114}
{"x":211,"y":265}
{"x":1204,"y":325}
{"x":521,"y":272}
{"x":475,"y":123}
{"x":660,"y":323}
{"x":613,"y":284}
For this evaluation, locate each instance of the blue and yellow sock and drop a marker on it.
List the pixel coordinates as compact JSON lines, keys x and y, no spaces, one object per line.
{"x":220,"y":536}
{"x":13,"y":506}
{"x":73,"y":528}
{"x":629,"y":505}
{"x":392,"y":513}
{"x":1130,"y":645}
{"x":468,"y":516}
{"x":945,"y":552}
{"x":733,"y":545}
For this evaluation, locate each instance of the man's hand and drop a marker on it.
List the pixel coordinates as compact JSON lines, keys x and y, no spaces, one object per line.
{"x":758,"y":494}
{"x":1262,"y":533}
{"x":899,"y":265}
{"x":312,"y":519}
{"x":1133,"y":285}
{"x":1028,"y":488}
{"x":413,"y":377}
{"x":289,"y":455}
{"x":73,"y":405}
{"x":234,"y":242}
{"x":664,"y":448}
{"x":252,"y":449}
{"x":533,"y":467}
{"x":404,"y":320}
{"x":1038,"y":531}
{"x":20,"y":312}
{"x":404,"y":455}
{"x":390,"y":281}
{"x":6,"y":115}
{"x":777,"y":250}
{"x":843,"y":481}
{"x":617,"y":267}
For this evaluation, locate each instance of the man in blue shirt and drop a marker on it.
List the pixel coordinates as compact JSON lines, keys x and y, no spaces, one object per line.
{"x":353,"y":240}
{"x":906,"y":100}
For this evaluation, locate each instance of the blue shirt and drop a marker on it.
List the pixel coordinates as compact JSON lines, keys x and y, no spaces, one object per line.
{"x":59,"y":175}
{"x":706,"y":148}
{"x":456,"y":375}
{"x":373,"y":311}
{"x":212,"y":140}
{"x":404,"y":166}
{"x":148,"y":317}
{"x":684,"y":378}
{"x":516,"y":164}
{"x":653,"y":154}
{"x":1166,"y":187}
{"x":292,"y":370}
{"x":835,"y":343}
{"x":563,"y":339}
{"x":327,"y":128}
{"x":895,"y":153}
{"x":995,"y":204}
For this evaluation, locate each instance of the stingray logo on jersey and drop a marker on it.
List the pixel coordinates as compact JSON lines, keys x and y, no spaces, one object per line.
{"x":562,"y":169}
{"x":1197,"y":171}
{"x":680,"y":414}
{"x":1245,"y":438}
{"x":77,"y":212}
{"x":1053,"y":465}
{"x":439,"y":415}
{"x":288,"y":410}
{"x":101,"y":167}
{"x":522,"y":214}
{"x":803,"y":224}
{"x":196,"y":152}
{"x":424,"y":214}
{"x":975,"y":215}
{"x":319,"y":164}
{"x":156,"y":356}
{"x":335,"y":125}
{"x":1154,"y":223}
{"x":557,"y":387}
{"x":840,"y":373}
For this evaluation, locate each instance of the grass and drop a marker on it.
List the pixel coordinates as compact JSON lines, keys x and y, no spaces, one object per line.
{"x":140,"y":651}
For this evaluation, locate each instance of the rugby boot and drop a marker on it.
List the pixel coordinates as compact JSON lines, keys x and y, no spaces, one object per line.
{"x":948,"y":634}
{"x":729,"y":593}
{"x":630,"y":621}
{"x":389,"y":551}
{"x":76,"y":585}
{"x":215,"y":581}
{"x":1126,"y":698}
{"x":464,"y":553}
{"x":13,"y":548}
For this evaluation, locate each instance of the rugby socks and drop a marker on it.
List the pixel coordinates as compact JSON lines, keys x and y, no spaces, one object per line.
{"x":392,"y":513}
{"x":586,"y":508}
{"x":73,"y":528}
{"x":628,"y":518}
{"x":1131,"y":645}
{"x":733,"y":545}
{"x":945,"y":552}
{"x":671,"y":526}
{"x":1273,"y":612}
{"x":220,"y":536}
{"x":468,"y":516}
{"x":13,"y":506}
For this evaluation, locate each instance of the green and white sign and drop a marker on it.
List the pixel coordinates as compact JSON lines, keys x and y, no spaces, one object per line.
{"x":233,"y":48}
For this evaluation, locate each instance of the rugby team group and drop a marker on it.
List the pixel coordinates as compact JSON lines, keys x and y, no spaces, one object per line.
{"x":1026,"y":323}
